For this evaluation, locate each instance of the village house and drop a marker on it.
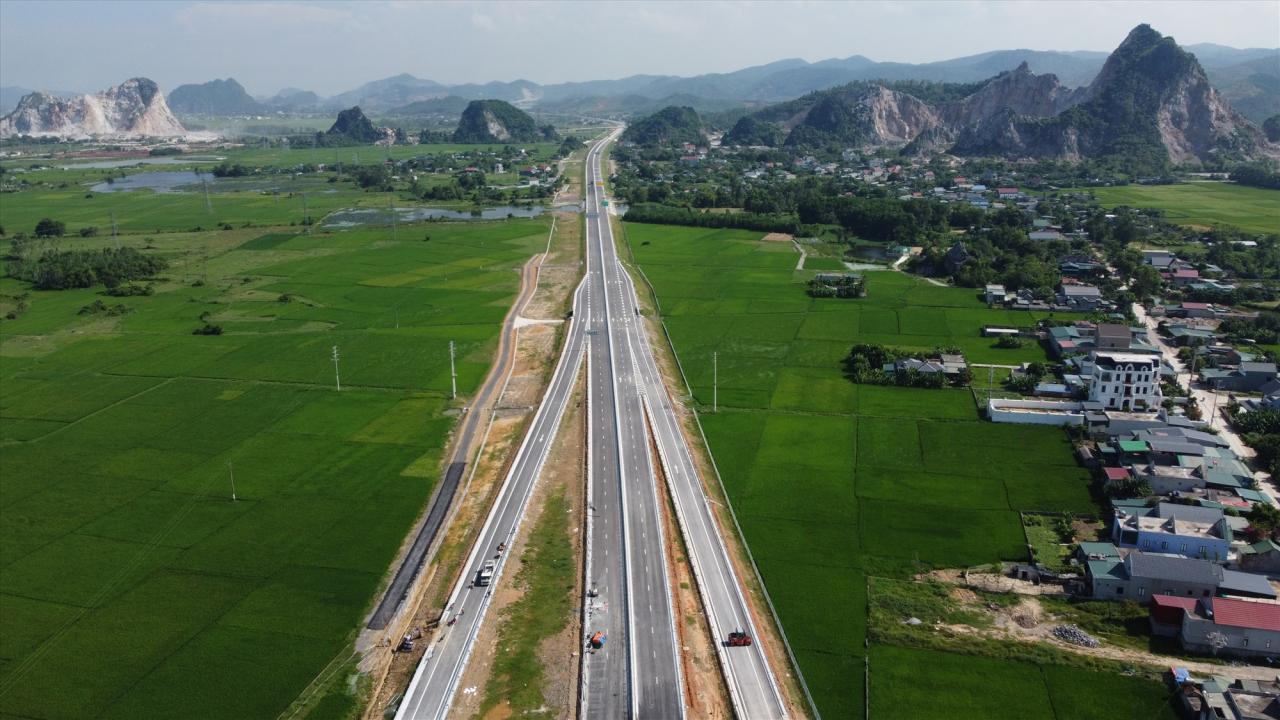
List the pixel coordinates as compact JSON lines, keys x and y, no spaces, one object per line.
{"x":1232,"y":626}
{"x":1260,"y":557}
{"x":1220,"y":698}
{"x":1140,"y":576}
{"x":1079,"y":298}
{"x":1179,"y":529}
{"x":1248,"y":377}
{"x":1125,"y":381}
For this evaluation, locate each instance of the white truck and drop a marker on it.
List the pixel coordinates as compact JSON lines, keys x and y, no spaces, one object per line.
{"x":485,"y":576}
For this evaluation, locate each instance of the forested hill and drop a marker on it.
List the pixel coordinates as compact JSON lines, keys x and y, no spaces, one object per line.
{"x":490,"y":121}
{"x":669,"y":126}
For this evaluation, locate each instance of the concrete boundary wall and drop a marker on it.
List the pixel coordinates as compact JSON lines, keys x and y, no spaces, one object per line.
{"x":1035,"y":412}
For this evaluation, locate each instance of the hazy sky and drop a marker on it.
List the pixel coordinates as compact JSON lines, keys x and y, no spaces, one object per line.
{"x":330,"y":47}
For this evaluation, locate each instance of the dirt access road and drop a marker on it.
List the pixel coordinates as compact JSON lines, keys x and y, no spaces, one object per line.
{"x":1211,"y":402}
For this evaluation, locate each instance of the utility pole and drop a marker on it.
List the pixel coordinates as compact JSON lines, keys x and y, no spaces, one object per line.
{"x":391,"y":203}
{"x":991,"y":381}
{"x":715,"y":382}
{"x":208,"y":206}
{"x":453,"y":373}
{"x":232,"y":472}
{"x":115,"y":235}
{"x":306,"y":219}
{"x":337,"y":379}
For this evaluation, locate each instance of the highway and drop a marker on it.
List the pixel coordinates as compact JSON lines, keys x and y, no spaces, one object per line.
{"x":638,"y":672}
{"x":626,"y":544}
{"x":752,"y":687}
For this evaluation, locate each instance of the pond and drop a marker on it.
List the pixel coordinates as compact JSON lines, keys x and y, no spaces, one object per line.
{"x":162,"y":181}
{"x":378,"y":216}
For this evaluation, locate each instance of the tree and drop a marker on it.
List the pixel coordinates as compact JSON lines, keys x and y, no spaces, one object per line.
{"x":48,"y":227}
{"x":1144,"y":282}
{"x":1265,"y":517}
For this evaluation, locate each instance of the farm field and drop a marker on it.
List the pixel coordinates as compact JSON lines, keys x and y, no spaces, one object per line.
{"x":63,"y":190}
{"x":131,"y":584}
{"x":915,"y":684}
{"x":833,"y":481}
{"x":1202,"y":204}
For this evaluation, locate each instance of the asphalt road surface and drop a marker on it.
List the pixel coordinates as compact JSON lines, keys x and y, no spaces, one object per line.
{"x":628,"y":565}
{"x":752,"y":686}
{"x":637,"y":672}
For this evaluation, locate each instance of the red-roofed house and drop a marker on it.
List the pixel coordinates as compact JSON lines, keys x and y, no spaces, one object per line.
{"x":1168,"y":612}
{"x":1182,"y":278}
{"x":1116,"y":474}
{"x":1196,"y":310}
{"x":1227,"y":626}
{"x":1008,"y":192}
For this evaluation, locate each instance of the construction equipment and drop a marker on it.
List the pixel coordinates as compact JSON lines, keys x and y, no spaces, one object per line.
{"x":737,"y":638}
{"x":406,"y":644}
{"x":598,"y":639}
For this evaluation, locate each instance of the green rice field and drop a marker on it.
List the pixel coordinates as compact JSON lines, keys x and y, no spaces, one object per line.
{"x":131,"y":584}
{"x":1202,"y":204}
{"x":833,"y":482}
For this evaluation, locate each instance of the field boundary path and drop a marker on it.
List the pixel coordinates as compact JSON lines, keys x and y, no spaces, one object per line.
{"x":442,"y":499}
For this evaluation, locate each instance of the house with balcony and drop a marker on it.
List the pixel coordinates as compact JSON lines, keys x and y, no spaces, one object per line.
{"x":1125,"y":381}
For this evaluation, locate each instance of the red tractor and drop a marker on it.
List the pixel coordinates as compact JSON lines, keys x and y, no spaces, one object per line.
{"x":737,"y":638}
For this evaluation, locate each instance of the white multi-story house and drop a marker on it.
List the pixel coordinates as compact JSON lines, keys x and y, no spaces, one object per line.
{"x":1126,"y":381}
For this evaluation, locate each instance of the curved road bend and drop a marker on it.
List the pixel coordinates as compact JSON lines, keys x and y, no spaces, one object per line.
{"x":442,"y":498}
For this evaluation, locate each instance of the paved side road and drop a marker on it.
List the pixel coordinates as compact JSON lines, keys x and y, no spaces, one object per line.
{"x":434,"y":683}
{"x":442,"y":499}
{"x":1213,"y":404}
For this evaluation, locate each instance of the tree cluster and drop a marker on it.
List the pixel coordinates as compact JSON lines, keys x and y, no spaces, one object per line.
{"x":866,"y":362}
{"x":64,"y":269}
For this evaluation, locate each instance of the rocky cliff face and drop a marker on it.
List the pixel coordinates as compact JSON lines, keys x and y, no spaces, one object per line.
{"x":488,"y":121}
{"x":135,"y":108}
{"x":874,"y":115}
{"x":1150,"y":104}
{"x":354,"y":126}
{"x":1018,"y":90}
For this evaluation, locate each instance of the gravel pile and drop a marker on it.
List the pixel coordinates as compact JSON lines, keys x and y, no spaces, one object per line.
{"x":1075,"y":636}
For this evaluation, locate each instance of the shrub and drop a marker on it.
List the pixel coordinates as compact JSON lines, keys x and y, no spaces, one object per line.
{"x":48,"y":227}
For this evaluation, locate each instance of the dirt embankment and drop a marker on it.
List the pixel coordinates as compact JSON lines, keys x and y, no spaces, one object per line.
{"x":1028,"y":621}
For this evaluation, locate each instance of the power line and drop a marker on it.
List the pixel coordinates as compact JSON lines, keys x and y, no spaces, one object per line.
{"x":453,"y":373}
{"x":337,"y":379}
